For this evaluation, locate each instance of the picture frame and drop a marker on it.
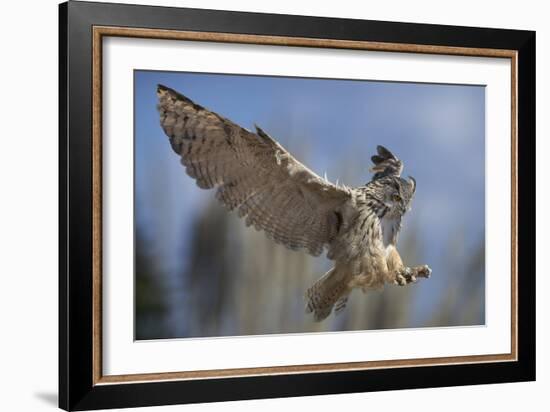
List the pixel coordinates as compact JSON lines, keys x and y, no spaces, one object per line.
{"x":82,"y":29}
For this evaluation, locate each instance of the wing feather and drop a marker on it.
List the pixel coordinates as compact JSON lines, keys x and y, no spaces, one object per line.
{"x":253,"y":173}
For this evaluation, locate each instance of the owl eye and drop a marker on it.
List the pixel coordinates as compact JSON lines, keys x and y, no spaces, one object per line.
{"x":395,"y":197}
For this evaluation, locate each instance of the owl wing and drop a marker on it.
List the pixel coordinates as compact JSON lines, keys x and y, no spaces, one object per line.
{"x":253,"y":174}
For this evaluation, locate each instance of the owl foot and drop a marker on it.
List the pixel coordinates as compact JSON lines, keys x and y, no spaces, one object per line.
{"x":410,"y":275}
{"x":423,"y":271}
{"x":404,"y":277}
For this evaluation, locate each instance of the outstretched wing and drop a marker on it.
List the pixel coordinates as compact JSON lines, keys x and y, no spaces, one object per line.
{"x":254,"y":174}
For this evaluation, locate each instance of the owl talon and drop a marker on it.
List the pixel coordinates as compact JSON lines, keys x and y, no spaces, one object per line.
{"x":410,"y":278}
{"x":424,"y":271}
{"x":400,"y":280}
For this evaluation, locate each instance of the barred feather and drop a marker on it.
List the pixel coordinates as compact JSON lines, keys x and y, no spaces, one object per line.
{"x":328,"y":291}
{"x":253,"y":174}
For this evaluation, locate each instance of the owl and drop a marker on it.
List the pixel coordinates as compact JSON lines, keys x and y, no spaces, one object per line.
{"x":269,"y":188}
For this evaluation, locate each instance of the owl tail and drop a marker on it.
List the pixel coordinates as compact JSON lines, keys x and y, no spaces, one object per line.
{"x":331,"y":289}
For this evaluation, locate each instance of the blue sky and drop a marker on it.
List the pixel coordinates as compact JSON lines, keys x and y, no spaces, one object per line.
{"x":332,"y":126}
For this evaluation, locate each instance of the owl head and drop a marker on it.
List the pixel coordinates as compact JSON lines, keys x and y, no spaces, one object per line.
{"x":393,"y":191}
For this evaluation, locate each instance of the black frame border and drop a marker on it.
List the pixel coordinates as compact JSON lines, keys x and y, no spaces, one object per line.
{"x":76,"y":388}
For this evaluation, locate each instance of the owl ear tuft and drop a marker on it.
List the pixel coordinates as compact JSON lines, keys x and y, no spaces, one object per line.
{"x":377,"y":159}
{"x":385,"y":153}
{"x":385,"y":164}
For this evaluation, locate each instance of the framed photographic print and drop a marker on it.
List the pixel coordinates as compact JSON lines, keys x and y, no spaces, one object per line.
{"x":257,"y":205}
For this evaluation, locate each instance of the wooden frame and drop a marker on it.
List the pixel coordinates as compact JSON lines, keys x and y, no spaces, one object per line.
{"x":82,"y":27}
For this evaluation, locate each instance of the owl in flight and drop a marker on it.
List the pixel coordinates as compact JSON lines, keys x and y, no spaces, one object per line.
{"x":295,"y":207}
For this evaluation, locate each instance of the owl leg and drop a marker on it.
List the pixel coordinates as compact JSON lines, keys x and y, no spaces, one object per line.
{"x":403,"y":275}
{"x":373,"y":273}
{"x":399,"y":274}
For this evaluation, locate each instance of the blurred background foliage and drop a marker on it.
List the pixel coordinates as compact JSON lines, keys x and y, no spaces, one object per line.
{"x":200,"y":272}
